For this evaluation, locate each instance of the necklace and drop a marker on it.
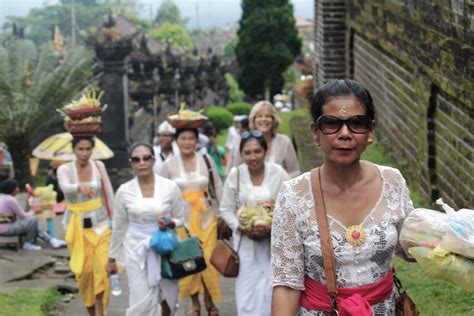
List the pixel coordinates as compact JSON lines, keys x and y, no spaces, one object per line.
{"x":355,"y":234}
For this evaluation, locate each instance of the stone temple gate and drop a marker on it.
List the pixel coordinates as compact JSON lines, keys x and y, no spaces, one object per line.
{"x":144,"y":81}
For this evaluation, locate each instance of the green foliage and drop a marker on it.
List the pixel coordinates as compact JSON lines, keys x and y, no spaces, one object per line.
{"x":236,"y":94}
{"x":432,"y":296}
{"x":32,"y":87}
{"x":39,"y":21}
{"x":268,"y":43}
{"x":290,"y":76}
{"x":229,"y":48}
{"x":174,"y":32}
{"x":168,"y":12}
{"x":220,"y":117}
{"x":29,"y":302}
{"x":239,"y":108}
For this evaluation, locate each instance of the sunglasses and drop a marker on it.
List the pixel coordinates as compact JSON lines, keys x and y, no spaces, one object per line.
{"x":144,"y":158}
{"x":255,"y":133}
{"x":357,"y":124}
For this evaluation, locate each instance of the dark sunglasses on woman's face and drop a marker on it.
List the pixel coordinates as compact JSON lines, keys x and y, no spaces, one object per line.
{"x":357,"y":124}
{"x":144,"y":158}
{"x":255,"y":133}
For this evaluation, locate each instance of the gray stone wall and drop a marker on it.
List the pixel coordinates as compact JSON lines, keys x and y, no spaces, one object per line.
{"x":416,"y":58}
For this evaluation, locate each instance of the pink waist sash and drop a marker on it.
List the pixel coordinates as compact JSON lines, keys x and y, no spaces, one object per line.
{"x":350,"y":301}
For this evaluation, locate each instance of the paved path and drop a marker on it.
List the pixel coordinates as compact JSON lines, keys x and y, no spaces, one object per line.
{"x":49,"y":268}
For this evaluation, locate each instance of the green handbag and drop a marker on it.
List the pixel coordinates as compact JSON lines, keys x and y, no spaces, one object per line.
{"x":187,"y":259}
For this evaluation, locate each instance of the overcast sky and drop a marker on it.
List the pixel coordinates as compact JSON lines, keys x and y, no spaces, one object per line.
{"x":210,"y":12}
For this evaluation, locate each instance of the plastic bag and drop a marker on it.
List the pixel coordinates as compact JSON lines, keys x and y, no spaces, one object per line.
{"x":441,"y":264}
{"x":459,"y":237}
{"x":164,"y":241}
{"x":454,"y":231}
{"x":423,"y":227}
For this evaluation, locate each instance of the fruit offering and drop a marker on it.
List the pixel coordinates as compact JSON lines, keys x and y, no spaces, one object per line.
{"x":260,"y":215}
{"x":90,"y":99}
{"x":187,"y":115}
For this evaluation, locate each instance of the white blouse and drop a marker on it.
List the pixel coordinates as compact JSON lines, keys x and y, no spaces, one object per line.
{"x":296,"y":247}
{"x":131,"y":206}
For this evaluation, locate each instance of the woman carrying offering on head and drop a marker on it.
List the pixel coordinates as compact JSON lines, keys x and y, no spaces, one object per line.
{"x":142,"y":206}
{"x":254,"y":184}
{"x":365,"y":204}
{"x":190,"y":172}
{"x":264,"y":117}
{"x":89,"y":200}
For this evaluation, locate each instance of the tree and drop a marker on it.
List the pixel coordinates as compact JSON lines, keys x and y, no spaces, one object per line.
{"x":268,"y":43}
{"x":169,"y":13}
{"x":174,"y":32}
{"x":32,"y":86}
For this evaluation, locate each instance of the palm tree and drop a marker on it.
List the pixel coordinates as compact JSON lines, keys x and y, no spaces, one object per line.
{"x":32,"y":86}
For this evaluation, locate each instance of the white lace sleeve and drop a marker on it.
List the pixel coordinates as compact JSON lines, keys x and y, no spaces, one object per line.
{"x":406,"y":205}
{"x":287,"y":243}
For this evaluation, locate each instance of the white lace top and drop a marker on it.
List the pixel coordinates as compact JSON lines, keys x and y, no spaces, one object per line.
{"x":296,"y":248}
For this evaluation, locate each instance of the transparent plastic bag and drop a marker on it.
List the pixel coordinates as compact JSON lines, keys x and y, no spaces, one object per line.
{"x":441,"y":264}
{"x":164,"y":241}
{"x":423,"y":227}
{"x":459,"y":237}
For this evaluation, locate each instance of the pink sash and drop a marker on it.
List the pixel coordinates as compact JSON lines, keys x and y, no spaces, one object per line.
{"x":350,"y":301}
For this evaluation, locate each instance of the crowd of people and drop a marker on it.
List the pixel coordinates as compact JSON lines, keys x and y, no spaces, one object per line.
{"x":180,"y":185}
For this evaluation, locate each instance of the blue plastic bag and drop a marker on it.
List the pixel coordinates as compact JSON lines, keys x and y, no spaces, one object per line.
{"x":164,"y":241}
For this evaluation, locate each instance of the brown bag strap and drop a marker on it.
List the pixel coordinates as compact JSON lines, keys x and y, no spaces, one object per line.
{"x":326,"y":242}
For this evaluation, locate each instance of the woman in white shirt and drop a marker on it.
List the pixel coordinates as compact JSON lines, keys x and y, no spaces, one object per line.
{"x":89,"y":199}
{"x":141,"y":207}
{"x":250,"y":184}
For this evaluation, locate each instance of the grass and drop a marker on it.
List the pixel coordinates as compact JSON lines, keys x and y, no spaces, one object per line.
{"x":431,"y":296}
{"x":28,"y":302}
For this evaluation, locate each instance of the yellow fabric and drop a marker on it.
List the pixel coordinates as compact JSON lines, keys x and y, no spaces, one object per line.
{"x":197,"y":206}
{"x":209,"y":278}
{"x":74,"y":232}
{"x":93,"y":280}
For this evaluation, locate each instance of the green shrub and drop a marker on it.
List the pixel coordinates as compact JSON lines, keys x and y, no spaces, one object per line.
{"x":239,"y":108}
{"x":220,"y":117}
{"x":236,"y":94}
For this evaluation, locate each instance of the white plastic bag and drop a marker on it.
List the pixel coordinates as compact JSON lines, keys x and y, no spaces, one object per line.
{"x":453,"y":231}
{"x":459,"y":237}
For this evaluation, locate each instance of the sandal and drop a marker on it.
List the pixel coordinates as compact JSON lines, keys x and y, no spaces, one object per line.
{"x":195,"y":312}
{"x":213,"y":311}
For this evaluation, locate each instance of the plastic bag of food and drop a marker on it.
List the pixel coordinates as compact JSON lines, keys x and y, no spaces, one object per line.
{"x":423,"y":227}
{"x":442,"y":264}
{"x":459,"y":237}
{"x":164,"y":241}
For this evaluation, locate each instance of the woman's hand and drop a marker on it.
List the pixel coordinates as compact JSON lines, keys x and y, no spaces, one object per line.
{"x":164,"y":222}
{"x":111,"y":267}
{"x":86,"y":190}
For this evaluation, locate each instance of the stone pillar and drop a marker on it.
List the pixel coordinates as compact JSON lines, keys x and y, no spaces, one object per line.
{"x":330,"y":40}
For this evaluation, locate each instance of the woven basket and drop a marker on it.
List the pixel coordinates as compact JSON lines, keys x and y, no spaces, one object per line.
{"x":261,"y":235}
{"x":187,"y":123}
{"x":83,"y":113}
{"x":83,"y":128}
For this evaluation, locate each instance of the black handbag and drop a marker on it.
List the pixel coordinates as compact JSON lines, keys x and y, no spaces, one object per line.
{"x":187,"y":259}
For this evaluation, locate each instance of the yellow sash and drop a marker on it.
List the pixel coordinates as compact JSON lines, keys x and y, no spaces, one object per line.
{"x":74,"y":235}
{"x":197,"y":206}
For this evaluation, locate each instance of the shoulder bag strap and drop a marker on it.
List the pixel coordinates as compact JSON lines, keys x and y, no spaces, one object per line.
{"x":326,"y":242}
{"x":104,"y":189}
{"x":238,"y":204}
{"x":212,"y":188}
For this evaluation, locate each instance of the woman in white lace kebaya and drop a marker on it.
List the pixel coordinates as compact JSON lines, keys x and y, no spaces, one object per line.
{"x":141,"y":207}
{"x":264,"y":117}
{"x":365,"y":205}
{"x":251,"y":184}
